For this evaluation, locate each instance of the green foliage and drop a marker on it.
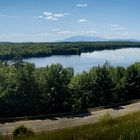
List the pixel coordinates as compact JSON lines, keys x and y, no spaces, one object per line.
{"x":21,"y":131}
{"x":10,"y":50}
{"x":80,"y":91}
{"x":26,"y":90}
{"x":102,"y":84}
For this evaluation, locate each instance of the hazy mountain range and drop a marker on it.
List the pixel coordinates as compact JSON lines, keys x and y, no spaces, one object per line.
{"x":94,"y":38}
{"x":82,"y":39}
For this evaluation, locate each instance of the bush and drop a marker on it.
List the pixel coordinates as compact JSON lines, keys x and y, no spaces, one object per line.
{"x":22,"y":131}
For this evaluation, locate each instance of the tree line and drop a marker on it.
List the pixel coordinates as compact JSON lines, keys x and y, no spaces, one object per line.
{"x":27,"y":90}
{"x":26,"y":50}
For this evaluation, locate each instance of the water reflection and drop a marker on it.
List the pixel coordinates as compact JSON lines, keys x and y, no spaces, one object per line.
{"x":85,"y":61}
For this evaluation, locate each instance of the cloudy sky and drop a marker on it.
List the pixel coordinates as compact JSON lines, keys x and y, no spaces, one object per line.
{"x":53,"y":20}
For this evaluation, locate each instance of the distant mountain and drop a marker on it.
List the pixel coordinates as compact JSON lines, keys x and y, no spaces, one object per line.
{"x":94,"y":38}
{"x":84,"y":39}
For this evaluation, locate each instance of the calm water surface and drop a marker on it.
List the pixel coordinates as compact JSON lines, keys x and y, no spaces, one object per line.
{"x":121,"y":57}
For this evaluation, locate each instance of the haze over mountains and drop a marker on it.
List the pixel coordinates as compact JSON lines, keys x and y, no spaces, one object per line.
{"x":79,"y":39}
{"x":94,"y":38}
{"x":84,"y":38}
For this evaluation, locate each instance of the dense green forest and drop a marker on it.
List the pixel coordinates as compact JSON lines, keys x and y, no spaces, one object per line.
{"x":26,"y":50}
{"x":26,"y":90}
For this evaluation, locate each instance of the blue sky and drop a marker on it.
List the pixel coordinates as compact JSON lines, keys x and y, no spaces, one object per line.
{"x":52,"y":20}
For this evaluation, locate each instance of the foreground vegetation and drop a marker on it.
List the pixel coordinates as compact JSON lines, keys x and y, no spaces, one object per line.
{"x":123,"y":128}
{"x":26,"y":90}
{"x":26,"y":50}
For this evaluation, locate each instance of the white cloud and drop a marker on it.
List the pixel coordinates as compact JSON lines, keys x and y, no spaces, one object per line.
{"x":84,"y":32}
{"x":47,"y":13}
{"x":120,"y":35}
{"x":66,"y":32}
{"x":82,"y":20}
{"x":116,"y":27}
{"x":82,"y":5}
{"x":59,"y":15}
{"x":52,"y":16}
{"x":91,"y":32}
{"x":40,"y":16}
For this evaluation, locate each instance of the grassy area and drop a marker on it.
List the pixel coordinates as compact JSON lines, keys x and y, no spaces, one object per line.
{"x":123,"y":128}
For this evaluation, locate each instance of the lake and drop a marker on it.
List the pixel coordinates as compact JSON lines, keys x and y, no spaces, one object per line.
{"x":121,"y":57}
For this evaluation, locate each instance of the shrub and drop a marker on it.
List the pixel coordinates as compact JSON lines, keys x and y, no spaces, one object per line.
{"x":22,"y":131}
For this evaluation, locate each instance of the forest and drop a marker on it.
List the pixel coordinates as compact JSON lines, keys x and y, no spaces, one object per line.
{"x":26,"y":90}
{"x":27,"y":50}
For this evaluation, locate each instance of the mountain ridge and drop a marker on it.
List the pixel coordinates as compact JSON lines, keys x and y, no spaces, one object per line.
{"x":94,"y":38}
